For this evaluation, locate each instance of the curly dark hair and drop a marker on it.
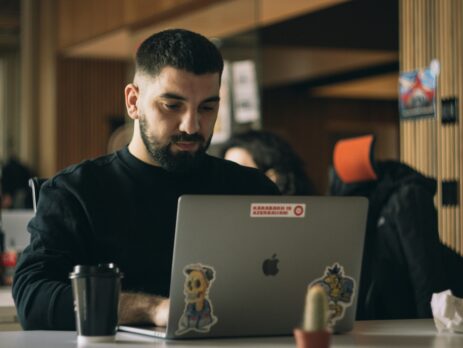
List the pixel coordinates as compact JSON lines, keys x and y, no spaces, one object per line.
{"x":269,"y":151}
{"x":181,"y":49}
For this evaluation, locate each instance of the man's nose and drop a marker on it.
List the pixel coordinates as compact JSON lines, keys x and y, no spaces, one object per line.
{"x":190,"y":123}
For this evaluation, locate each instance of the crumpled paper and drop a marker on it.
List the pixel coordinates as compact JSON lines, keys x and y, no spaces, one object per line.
{"x":447,"y":311}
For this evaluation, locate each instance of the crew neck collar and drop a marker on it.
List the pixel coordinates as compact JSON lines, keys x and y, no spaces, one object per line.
{"x":136,"y":163}
{"x":133,"y":162}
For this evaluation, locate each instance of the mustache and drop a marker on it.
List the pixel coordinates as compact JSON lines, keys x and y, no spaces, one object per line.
{"x":198,"y":138}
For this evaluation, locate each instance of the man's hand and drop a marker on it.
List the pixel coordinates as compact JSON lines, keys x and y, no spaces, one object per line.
{"x":137,"y":308}
{"x":161,"y":313}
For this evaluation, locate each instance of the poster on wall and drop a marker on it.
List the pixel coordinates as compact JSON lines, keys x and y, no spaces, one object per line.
{"x":222,"y":129}
{"x":417,"y":92}
{"x":245,"y":96}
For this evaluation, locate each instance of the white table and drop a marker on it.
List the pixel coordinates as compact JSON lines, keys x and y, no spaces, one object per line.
{"x":393,"y":333}
{"x":8,"y":317}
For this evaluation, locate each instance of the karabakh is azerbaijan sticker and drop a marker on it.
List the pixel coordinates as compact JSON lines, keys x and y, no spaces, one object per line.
{"x":278,"y":210}
{"x":340,"y":290}
{"x":198,"y":314}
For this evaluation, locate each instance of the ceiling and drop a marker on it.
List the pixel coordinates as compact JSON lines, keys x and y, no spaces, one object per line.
{"x":348,"y":41}
{"x":359,"y":24}
{"x":352,"y":41}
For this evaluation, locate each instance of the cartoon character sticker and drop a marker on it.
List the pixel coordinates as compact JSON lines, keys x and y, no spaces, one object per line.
{"x":198,"y":314}
{"x":340,"y":290}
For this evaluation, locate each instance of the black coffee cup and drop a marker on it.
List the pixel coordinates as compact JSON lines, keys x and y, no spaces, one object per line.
{"x":96,"y":299}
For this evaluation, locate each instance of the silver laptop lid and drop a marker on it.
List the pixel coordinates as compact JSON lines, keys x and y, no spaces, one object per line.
{"x":242,"y":264}
{"x":15,"y":226}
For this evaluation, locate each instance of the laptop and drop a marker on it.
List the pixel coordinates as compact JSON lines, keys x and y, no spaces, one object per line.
{"x":242,"y":264}
{"x":15,"y":225}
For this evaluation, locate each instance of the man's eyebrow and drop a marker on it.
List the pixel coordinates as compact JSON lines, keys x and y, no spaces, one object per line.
{"x":179,"y":97}
{"x":172,"y":96}
{"x":211,"y":99}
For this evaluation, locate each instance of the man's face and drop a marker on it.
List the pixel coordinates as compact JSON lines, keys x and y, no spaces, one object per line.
{"x":176,"y":113}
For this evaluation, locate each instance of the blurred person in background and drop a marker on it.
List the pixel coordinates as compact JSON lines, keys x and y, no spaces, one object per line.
{"x":273,"y":156}
{"x":404,"y":261}
{"x":15,"y":190}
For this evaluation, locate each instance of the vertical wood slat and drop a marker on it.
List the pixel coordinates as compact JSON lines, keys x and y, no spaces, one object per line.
{"x":421,"y":57}
{"x":459,"y":149}
{"x":448,"y":86}
{"x":452,"y":90}
{"x":403,"y":47}
{"x":455,"y":143}
{"x":457,"y":17}
{"x":447,"y":90}
{"x":428,"y":123}
{"x":438,"y":144}
{"x":414,"y":63}
{"x":453,"y":71}
{"x":89,"y":93}
{"x":442,"y":128}
{"x":406,"y":66}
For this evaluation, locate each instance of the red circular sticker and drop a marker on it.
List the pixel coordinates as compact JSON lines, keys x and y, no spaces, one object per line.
{"x":298,"y":210}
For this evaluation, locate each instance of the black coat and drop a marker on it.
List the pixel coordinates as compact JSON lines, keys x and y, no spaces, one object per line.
{"x":404,"y":262}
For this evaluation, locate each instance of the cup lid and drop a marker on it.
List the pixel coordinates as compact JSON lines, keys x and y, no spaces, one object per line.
{"x":102,"y":270}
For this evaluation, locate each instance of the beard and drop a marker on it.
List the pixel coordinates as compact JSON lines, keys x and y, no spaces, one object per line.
{"x":183,"y":162}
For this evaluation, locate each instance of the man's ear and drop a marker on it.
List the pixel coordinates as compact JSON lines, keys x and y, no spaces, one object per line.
{"x":131,"y":97}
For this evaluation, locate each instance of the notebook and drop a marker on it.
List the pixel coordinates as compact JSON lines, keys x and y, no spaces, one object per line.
{"x":242,"y":264}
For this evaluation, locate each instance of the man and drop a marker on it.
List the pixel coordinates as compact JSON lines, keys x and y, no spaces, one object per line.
{"x":122,"y":207}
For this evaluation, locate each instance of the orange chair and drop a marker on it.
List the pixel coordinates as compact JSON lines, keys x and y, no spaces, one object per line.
{"x":353,"y":159}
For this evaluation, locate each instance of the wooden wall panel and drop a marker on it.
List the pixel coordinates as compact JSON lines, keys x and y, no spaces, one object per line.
{"x":433,"y":29}
{"x":89,"y":93}
{"x":313,"y":125}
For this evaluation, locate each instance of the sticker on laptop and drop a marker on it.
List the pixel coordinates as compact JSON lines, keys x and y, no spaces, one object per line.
{"x":340,"y":290}
{"x":277,"y":210}
{"x":198,"y":314}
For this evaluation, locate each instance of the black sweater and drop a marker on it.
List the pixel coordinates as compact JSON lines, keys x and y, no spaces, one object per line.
{"x":112,"y":209}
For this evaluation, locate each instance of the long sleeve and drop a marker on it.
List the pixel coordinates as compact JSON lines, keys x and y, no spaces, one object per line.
{"x":41,"y":287}
{"x":417,"y":226}
{"x":113,"y":209}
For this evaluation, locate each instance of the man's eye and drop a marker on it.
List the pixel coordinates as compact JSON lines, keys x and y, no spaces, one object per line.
{"x":172,"y":106}
{"x":208,"y":107}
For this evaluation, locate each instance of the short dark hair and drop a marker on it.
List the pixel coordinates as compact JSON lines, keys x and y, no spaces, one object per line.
{"x":269,"y":151}
{"x":181,"y":49}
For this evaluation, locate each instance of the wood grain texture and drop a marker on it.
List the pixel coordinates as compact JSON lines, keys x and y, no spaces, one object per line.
{"x":89,"y":93}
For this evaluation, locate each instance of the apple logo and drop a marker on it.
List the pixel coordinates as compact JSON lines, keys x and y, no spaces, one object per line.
{"x":270,"y":266}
